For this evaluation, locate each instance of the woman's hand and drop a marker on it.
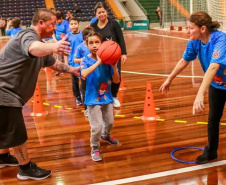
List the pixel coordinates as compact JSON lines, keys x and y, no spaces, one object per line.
{"x":198,"y":105}
{"x":123,"y":59}
{"x":165,"y":87}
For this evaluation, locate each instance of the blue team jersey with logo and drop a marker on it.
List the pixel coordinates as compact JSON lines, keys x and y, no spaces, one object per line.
{"x":75,"y":40}
{"x":212,"y":52}
{"x":98,"y":83}
{"x":13,"y":31}
{"x":61,"y":28}
{"x":81,"y":51}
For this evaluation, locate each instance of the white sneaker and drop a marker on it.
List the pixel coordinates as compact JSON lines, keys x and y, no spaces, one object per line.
{"x":116,"y":102}
{"x":86,"y":114}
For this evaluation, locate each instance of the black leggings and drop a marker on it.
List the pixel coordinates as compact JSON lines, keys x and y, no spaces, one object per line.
{"x":75,"y":86}
{"x":83,"y":92}
{"x":115,"y":87}
{"x":217,"y":98}
{"x":3,"y":31}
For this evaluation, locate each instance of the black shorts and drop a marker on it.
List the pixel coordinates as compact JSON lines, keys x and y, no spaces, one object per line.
{"x":12,"y":128}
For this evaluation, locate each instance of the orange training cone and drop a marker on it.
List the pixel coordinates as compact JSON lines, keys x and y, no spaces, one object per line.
{"x":149,"y":105}
{"x":122,"y":88}
{"x":38,"y":108}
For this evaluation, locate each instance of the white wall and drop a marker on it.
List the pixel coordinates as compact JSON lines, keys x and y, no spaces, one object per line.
{"x":122,"y":10}
{"x":135,"y":11}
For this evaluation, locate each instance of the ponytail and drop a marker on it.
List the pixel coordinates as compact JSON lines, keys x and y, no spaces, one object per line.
{"x":201,"y":18}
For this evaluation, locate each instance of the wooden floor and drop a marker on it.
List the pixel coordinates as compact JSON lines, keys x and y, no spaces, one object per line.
{"x":60,"y":141}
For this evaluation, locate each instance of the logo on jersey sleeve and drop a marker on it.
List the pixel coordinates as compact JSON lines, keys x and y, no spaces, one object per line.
{"x":218,"y":80}
{"x":216,"y":54}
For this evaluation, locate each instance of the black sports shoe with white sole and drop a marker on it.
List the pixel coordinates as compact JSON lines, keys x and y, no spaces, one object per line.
{"x":33,"y":172}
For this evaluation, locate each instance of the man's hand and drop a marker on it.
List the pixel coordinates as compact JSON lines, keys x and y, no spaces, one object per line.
{"x":76,"y":71}
{"x":62,"y":47}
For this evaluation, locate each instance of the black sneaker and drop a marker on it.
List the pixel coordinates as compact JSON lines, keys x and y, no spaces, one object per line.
{"x":206,"y":156}
{"x":79,"y":101}
{"x":110,"y":140}
{"x":8,"y":161}
{"x":34,"y":172}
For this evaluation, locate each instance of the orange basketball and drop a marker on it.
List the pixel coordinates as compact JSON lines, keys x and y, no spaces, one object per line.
{"x":109,"y":52}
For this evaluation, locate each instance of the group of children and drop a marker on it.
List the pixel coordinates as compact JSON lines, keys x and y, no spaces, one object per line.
{"x":96,"y":79}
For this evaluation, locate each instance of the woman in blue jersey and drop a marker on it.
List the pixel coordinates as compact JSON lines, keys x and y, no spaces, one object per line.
{"x":208,"y":44}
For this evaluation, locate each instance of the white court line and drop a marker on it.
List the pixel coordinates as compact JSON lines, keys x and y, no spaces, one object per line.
{"x":155,"y":74}
{"x":162,"y":174}
{"x":152,"y":74}
{"x":161,"y":35}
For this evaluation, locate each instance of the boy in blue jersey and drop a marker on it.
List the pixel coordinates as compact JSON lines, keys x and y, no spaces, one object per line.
{"x":81,"y":51}
{"x":99,"y":98}
{"x":62,"y":29}
{"x":75,"y":38}
{"x":208,"y":44}
{"x":16,"y":27}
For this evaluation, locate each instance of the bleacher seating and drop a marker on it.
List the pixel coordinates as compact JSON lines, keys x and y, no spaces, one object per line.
{"x":84,"y":10}
{"x":24,"y":9}
{"x":150,"y":6}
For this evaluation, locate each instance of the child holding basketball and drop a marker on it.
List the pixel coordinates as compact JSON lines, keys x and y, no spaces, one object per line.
{"x":81,"y":51}
{"x":99,"y":98}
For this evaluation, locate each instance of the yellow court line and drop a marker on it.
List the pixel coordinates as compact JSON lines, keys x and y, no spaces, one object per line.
{"x":180,"y":121}
{"x":202,"y":123}
{"x":118,"y":115}
{"x":135,"y":117}
{"x":57,"y":106}
{"x":160,"y":119}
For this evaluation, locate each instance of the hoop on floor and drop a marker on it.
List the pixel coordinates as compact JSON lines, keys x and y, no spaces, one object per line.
{"x":187,"y":147}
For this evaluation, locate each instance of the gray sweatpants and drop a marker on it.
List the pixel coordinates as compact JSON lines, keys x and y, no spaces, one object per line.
{"x":101,"y":120}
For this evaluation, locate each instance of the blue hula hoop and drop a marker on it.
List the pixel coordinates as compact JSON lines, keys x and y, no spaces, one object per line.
{"x":187,"y":147}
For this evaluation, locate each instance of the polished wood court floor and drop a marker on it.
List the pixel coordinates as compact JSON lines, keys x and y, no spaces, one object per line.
{"x":60,"y":141}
